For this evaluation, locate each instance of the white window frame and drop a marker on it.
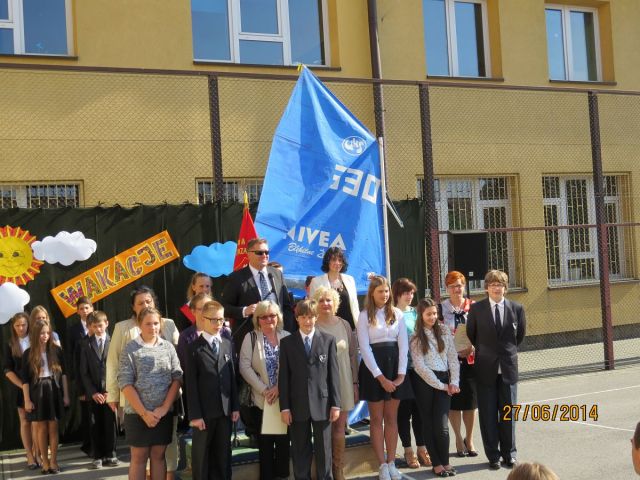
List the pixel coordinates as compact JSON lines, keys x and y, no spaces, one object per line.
{"x":242,"y":186}
{"x":477,"y":207}
{"x":22,"y":195}
{"x":16,"y":23}
{"x":563,"y":234}
{"x":452,"y":38}
{"x":567,"y":42}
{"x":284,"y":37}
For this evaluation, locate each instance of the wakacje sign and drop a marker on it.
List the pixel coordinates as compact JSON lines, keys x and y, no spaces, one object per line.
{"x":117,"y":272}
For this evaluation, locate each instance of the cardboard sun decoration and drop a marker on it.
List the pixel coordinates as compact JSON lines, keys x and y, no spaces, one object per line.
{"x":17,"y":264}
{"x":117,"y":272}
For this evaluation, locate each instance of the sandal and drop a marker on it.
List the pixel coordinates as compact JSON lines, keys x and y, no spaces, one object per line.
{"x":411,"y":459}
{"x":423,"y":458}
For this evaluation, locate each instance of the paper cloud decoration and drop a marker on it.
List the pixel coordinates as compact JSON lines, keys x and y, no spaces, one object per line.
{"x":65,"y":248}
{"x":12,"y":300}
{"x":214,"y":260}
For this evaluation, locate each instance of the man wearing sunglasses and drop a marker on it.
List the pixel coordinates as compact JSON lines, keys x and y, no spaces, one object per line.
{"x":249,"y":285}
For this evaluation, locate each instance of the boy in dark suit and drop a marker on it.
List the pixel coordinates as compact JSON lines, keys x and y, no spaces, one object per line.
{"x":309,"y":392}
{"x":77,"y":334}
{"x":212,"y":397}
{"x":92,"y":373}
{"x":496,"y":326}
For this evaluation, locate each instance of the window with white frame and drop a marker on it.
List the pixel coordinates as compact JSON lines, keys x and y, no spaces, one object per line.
{"x":456,"y":37}
{"x":46,"y":195}
{"x":464,"y":204}
{"x":573,"y":45}
{"x":572,"y":253}
{"x":267,"y":32}
{"x":35,"y":27}
{"x":233,"y":190}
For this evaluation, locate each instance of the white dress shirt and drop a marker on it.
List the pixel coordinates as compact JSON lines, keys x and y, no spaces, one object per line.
{"x":256,"y":278}
{"x":213,"y":338}
{"x":493,"y":314}
{"x":381,"y":332}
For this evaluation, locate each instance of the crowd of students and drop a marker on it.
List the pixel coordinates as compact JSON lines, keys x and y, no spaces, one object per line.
{"x":301,"y":381}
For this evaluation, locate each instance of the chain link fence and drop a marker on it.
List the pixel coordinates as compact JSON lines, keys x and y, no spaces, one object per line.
{"x":517,"y":163}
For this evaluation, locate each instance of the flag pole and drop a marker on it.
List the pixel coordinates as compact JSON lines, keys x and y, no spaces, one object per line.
{"x":385,"y":223}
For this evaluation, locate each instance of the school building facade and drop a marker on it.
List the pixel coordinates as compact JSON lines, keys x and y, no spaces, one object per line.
{"x":122,"y":102}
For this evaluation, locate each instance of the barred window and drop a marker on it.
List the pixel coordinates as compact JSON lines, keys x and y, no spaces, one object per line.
{"x":232,"y":190}
{"x":572,"y":256}
{"x":45,"y":195}
{"x":464,"y":204}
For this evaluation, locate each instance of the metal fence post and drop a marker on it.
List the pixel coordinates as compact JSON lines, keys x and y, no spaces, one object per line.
{"x":601,"y":228}
{"x":216,"y":141}
{"x":430,"y":216}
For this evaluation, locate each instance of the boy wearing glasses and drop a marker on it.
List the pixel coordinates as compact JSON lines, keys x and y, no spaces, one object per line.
{"x":496,"y":326}
{"x":212,"y":396}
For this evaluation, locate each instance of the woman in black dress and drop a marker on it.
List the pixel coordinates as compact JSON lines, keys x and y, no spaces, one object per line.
{"x":453,"y":312}
{"x":18,"y":343}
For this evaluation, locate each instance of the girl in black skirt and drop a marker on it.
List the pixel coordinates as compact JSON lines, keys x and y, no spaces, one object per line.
{"x":18,"y":343}
{"x":382,"y":336}
{"x":44,"y":385}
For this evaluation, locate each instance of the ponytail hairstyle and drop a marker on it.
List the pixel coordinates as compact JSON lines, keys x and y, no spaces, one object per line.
{"x":370,"y":304}
{"x":36,"y":349}
{"x":420,"y":334}
{"x":14,"y":341}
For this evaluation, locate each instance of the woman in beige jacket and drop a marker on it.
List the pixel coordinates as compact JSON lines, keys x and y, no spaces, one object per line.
{"x":259,"y":361}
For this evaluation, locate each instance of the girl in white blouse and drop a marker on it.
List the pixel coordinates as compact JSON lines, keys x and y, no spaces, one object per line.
{"x":382,"y":336}
{"x":435,"y":361}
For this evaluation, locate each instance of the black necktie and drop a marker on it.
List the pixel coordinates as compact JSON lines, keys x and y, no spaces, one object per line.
{"x":498,"y":320}
{"x":307,"y":345}
{"x":264,"y":289}
{"x":214,"y":348}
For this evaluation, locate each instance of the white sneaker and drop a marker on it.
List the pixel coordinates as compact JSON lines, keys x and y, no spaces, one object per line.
{"x":383,"y":473}
{"x":394,"y":473}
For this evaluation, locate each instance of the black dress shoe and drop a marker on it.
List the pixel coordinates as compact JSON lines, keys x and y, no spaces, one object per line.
{"x":494,"y":465}
{"x":510,"y":462}
{"x":471,"y":453}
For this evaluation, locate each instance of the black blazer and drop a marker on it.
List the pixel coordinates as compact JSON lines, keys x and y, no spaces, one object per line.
{"x":75,"y":336}
{"x":309,"y":387}
{"x":241,"y":290}
{"x":29,"y":376}
{"x":493,"y":348}
{"x":93,"y":366}
{"x":211,"y":383}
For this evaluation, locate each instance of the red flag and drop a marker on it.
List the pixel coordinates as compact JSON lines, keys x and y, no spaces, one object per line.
{"x":247,"y":232}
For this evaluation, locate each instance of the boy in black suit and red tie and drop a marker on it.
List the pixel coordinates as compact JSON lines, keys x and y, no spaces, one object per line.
{"x":212,"y":396}
{"x":309,"y":392}
{"x":92,"y":373}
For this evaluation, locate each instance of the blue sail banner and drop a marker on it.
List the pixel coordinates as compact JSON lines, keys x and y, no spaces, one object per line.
{"x":322,"y":187}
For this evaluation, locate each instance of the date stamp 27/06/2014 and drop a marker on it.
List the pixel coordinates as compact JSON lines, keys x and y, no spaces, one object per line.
{"x":563,"y":412}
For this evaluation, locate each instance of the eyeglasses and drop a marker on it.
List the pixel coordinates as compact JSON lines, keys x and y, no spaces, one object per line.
{"x":271,"y":316}
{"x":260,"y":252}
{"x":495,"y":285}
{"x":214,"y":319}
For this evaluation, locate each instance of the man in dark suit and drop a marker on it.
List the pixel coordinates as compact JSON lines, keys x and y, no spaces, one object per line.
{"x":93,"y":374}
{"x":496,"y":326}
{"x":249,"y":285}
{"x":309,"y":390}
{"x":76,"y":334}
{"x":212,"y":397}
